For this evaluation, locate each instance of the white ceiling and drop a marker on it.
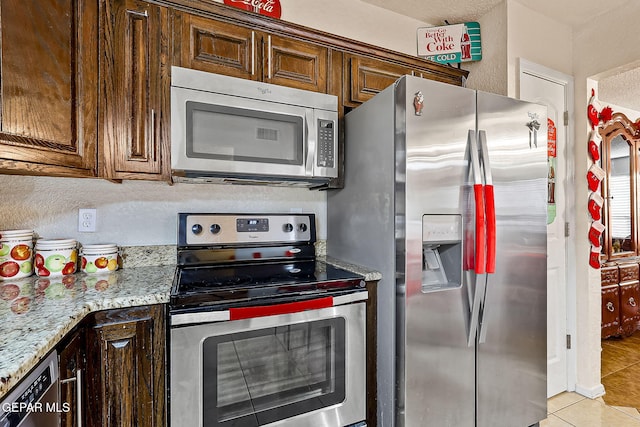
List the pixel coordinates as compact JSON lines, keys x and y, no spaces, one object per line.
{"x":575,"y":13}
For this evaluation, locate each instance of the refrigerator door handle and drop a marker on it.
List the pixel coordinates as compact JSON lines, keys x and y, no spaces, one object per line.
{"x":475,"y":267}
{"x":491,"y":231}
{"x":475,"y":315}
{"x":490,"y":204}
{"x":478,"y":192}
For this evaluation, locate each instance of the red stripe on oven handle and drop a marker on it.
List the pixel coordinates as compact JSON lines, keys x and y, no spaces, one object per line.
{"x":270,"y":310}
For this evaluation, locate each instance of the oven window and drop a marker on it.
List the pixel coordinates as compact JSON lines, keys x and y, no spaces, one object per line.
{"x":258,"y":377}
{"x":230,"y":133}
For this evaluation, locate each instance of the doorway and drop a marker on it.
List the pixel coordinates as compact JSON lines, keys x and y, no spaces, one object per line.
{"x":555,"y":90}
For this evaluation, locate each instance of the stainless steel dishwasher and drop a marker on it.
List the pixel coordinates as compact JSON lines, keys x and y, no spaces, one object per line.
{"x":35,"y":401}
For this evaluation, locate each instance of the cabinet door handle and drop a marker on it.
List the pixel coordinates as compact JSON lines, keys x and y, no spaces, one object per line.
{"x":78,"y":380}
{"x":143,"y":13}
{"x":269,"y":58}
{"x":253,"y":53}
{"x":153,"y":128}
{"x":610,"y":306}
{"x":632,"y":302}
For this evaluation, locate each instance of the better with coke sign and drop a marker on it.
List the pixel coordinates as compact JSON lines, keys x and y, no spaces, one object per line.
{"x":450,"y":43}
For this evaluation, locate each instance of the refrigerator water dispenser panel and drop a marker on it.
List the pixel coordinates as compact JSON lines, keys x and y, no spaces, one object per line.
{"x":441,"y":252}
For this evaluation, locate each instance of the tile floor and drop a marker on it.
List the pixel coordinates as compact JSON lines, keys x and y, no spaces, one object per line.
{"x":572,"y":409}
{"x":620,"y":370}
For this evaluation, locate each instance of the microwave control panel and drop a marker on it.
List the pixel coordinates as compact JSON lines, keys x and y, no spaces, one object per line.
{"x":326,"y":138}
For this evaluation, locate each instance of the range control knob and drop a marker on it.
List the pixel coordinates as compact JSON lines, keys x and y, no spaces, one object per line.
{"x":302,"y":227}
{"x":196,"y":229}
{"x":215,"y":228}
{"x":288,"y":228}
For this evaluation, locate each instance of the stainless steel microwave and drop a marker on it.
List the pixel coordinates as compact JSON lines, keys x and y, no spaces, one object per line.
{"x":226,"y":129}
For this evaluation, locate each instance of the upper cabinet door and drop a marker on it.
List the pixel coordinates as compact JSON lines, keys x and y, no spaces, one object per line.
{"x":365,"y":77}
{"x":134,"y":90}
{"x":48,"y":96}
{"x":295,"y":63}
{"x":217,"y":47}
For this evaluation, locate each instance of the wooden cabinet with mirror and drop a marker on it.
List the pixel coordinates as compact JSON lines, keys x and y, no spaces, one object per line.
{"x":621,"y":162}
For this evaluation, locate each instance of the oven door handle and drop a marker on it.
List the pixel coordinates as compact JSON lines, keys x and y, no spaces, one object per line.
{"x":238,"y":313}
{"x":266,"y":310}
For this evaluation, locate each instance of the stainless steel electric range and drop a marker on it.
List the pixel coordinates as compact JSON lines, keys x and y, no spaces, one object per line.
{"x":262,"y":332}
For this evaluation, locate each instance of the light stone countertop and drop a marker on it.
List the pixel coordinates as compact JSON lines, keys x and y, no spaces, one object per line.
{"x":45,"y":310}
{"x":33,"y":321}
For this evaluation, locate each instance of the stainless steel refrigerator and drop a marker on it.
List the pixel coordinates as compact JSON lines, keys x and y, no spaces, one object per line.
{"x":446,"y":195}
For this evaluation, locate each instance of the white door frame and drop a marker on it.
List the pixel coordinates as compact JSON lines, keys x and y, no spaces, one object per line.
{"x":528,"y":67}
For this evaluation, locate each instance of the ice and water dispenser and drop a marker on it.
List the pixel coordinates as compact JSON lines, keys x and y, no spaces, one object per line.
{"x":441,"y":252}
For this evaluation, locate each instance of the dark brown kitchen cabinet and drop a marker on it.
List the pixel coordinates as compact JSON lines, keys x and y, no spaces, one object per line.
{"x":290,"y":62}
{"x":620,"y":298}
{"x":49,"y":90}
{"x":126,"y":367}
{"x":629,"y":300}
{"x":71,"y":358}
{"x":365,"y":76}
{"x":217,"y":47}
{"x":234,"y":50}
{"x":609,"y":275}
{"x":628,"y":271}
{"x":610,"y":323}
{"x":134,"y":91}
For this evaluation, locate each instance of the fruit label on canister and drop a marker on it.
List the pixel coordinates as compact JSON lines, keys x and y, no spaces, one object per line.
{"x":16,"y":254}
{"x":55,"y":258}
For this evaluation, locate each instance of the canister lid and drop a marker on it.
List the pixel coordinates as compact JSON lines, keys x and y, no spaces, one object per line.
{"x":55,"y":243}
{"x":103,"y":248}
{"x":15,"y":234}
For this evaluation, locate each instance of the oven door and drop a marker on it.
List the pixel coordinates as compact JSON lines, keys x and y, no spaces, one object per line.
{"x":300,"y":369}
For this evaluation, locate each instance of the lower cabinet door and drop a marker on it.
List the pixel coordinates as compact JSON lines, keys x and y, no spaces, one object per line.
{"x":610,"y":325}
{"x":126,"y":366}
{"x":71,"y":364}
{"x":629,"y":300}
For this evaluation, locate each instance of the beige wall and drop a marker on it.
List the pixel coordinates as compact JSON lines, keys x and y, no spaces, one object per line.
{"x":356,"y":20}
{"x":610,"y":42}
{"x":490,"y":74}
{"x":537,"y":38}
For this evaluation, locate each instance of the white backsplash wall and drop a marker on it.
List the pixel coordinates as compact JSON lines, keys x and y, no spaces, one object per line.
{"x":137,"y":213}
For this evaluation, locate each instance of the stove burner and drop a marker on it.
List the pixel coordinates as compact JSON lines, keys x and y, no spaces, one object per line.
{"x":237,"y":284}
{"x":240,"y":259}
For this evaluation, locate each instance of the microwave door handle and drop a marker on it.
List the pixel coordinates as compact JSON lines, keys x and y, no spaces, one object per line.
{"x":309,"y":142}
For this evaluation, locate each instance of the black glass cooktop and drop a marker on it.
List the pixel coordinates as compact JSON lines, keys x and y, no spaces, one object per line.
{"x":248,"y":284}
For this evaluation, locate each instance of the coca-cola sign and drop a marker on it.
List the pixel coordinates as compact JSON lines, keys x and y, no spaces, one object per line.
{"x":264,"y":7}
{"x":450,"y":43}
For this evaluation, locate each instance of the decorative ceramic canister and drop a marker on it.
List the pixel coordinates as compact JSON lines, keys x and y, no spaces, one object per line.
{"x":16,"y":254}
{"x":56,"y":257}
{"x":101,"y":258}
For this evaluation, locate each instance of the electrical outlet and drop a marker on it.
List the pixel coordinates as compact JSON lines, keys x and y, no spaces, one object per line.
{"x":87,"y":220}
